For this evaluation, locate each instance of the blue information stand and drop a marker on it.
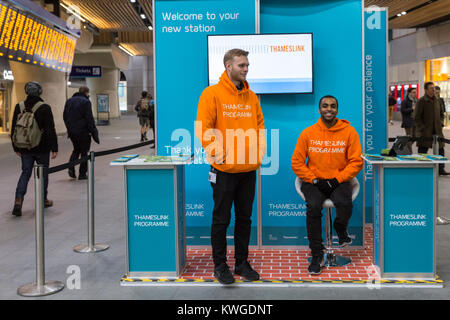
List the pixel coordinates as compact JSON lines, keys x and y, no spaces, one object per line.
{"x":154,"y":208}
{"x":405,"y":208}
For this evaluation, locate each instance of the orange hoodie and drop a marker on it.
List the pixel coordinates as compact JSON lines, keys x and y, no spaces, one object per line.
{"x":230,"y":126}
{"x":331,"y":153}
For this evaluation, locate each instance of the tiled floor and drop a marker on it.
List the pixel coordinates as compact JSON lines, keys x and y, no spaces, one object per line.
{"x":287,"y":264}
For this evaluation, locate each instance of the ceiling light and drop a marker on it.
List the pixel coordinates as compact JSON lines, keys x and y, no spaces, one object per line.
{"x":399,"y":15}
{"x":404,"y":12}
{"x":132,"y":1}
{"x":150,"y":27}
{"x":72,"y":12}
{"x":143,"y":16}
{"x":126,"y":51}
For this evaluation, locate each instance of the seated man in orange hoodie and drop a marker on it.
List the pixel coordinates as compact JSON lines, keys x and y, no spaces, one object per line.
{"x":230,"y":109}
{"x":333,"y":151}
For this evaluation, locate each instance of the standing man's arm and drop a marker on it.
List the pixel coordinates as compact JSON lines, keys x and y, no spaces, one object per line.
{"x":355,"y":162}
{"x":262,"y":147}
{"x":298,"y":162}
{"x":13,"y":127}
{"x":210,"y":137}
{"x":90,"y":121}
{"x":418,"y":116}
{"x":49,"y":132}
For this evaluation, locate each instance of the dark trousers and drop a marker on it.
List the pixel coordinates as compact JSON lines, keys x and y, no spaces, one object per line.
{"x":81,"y":146}
{"x":237,"y":188}
{"x":441,"y":152}
{"x":342,"y":199}
{"x":27,"y":169}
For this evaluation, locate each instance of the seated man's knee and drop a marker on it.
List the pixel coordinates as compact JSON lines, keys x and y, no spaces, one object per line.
{"x":314,"y":209}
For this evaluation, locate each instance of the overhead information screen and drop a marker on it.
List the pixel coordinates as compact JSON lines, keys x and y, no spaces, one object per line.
{"x":23,"y":38}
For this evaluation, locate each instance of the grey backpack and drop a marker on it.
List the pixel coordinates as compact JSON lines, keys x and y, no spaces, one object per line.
{"x":27,"y":134}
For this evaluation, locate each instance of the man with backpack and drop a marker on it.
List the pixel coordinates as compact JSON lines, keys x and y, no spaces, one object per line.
{"x":81,"y":127}
{"x":33,"y":139}
{"x":145,"y":110}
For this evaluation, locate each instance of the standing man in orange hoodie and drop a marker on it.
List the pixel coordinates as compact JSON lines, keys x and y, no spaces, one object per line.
{"x":230,"y":126}
{"x":333,"y":151}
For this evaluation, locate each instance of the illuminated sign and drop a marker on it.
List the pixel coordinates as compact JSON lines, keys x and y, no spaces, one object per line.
{"x":25,"y":39}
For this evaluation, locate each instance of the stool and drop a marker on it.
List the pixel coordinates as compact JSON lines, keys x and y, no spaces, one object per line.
{"x":331,"y":259}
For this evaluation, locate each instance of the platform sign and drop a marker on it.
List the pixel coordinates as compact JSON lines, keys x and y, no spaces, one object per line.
{"x":86,"y":72}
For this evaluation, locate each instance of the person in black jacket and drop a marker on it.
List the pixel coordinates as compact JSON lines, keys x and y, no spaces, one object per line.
{"x":81,"y":127}
{"x":407,"y":109}
{"x":40,"y":154}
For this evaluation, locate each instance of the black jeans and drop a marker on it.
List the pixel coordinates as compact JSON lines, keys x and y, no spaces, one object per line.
{"x":342,"y":199}
{"x":28,"y":160}
{"x":81,"y":146}
{"x":441,"y":152}
{"x":240,"y":189}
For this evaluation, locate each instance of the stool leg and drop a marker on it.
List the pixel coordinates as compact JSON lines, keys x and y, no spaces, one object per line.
{"x":331,"y":259}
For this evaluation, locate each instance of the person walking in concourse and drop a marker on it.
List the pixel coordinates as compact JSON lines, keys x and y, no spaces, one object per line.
{"x":33,"y":139}
{"x":230,"y":109}
{"x":144,"y":113}
{"x":81,"y":128}
{"x":407,"y":108}
{"x":429,"y":120}
{"x":327,"y":156}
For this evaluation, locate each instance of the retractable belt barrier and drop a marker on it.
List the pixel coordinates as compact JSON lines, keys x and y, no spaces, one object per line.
{"x":98,"y":154}
{"x":42,"y":287}
{"x":423,"y":139}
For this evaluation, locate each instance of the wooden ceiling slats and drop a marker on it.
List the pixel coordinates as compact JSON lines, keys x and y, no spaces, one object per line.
{"x":113,"y":15}
{"x":418,"y":17}
{"x":395,"y":6}
{"x":139,"y":49}
{"x":147,"y":6}
{"x":426,"y":14}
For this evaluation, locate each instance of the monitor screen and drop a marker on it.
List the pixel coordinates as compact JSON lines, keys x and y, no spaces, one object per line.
{"x":279,"y":63}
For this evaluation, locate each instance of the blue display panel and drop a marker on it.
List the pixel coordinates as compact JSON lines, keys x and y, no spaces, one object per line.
{"x":375,"y":100}
{"x":338,"y":62}
{"x":408,"y":220}
{"x":151,"y":220}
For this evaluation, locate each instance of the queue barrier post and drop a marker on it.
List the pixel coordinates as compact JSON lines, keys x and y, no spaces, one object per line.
{"x":41,"y":287}
{"x":91,"y":246}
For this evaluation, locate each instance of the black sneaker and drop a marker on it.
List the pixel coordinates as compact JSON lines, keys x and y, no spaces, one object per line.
{"x":72,"y":174}
{"x":223,"y":274}
{"x":82,"y":177}
{"x":17,"y":210}
{"x":316,"y":265}
{"x":244,"y":269}
{"x":442,"y":172}
{"x":345,"y":241}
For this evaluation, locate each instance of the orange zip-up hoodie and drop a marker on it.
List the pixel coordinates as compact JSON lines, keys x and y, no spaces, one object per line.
{"x":331,"y":153}
{"x":230,"y":126}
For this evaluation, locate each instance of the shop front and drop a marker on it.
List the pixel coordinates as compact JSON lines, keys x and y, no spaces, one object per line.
{"x":6,"y":82}
{"x":437,"y":70}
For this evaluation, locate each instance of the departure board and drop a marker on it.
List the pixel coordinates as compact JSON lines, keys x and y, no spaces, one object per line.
{"x":26,"y":39}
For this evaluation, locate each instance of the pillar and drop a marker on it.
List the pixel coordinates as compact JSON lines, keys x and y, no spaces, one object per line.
{"x":53,"y":85}
{"x":107,"y":84}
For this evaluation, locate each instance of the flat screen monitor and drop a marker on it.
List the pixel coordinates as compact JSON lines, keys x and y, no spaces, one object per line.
{"x":279,"y":63}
